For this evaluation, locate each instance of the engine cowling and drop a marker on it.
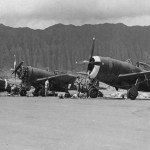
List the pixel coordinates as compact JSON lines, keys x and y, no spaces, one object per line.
{"x":94,"y":67}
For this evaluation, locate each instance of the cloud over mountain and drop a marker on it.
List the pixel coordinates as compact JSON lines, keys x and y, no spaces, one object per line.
{"x":41,"y":14}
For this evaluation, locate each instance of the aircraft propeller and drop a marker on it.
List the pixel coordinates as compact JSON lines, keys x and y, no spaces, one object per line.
{"x":92,"y":49}
{"x":91,"y":59}
{"x":91,"y":55}
{"x":16,"y":69}
{"x":90,"y":62}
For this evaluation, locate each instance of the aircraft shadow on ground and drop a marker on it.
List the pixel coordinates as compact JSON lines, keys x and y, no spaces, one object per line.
{"x":117,"y":98}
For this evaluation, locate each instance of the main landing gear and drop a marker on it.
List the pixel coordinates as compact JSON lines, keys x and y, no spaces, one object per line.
{"x":93,"y":92}
{"x":132,"y":93}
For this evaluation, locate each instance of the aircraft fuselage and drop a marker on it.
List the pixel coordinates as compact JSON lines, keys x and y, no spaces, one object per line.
{"x":109,"y":70}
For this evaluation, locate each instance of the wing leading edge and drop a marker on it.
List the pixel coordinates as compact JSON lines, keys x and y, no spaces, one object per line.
{"x":63,"y":77}
{"x":130,"y":76}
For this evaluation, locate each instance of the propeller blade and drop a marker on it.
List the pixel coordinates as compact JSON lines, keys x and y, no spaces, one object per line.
{"x":91,"y":60}
{"x":82,"y":62}
{"x":97,"y":63}
{"x":92,"y":49}
{"x":15,"y":71}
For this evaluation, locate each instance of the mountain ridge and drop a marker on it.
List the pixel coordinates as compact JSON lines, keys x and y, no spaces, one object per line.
{"x":60,"y":46}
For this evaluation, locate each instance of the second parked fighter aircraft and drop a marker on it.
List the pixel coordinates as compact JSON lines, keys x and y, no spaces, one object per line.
{"x":36,"y":77}
{"x":119,"y":74}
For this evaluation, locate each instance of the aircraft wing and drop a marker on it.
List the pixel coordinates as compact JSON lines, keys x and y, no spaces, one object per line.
{"x":67,"y":78}
{"x":83,"y":73}
{"x":136,"y":75}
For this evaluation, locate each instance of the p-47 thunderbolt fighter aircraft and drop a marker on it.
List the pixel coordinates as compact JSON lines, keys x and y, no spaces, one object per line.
{"x":36,"y":77}
{"x":119,"y":74}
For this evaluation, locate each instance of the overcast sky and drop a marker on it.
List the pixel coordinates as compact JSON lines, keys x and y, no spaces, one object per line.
{"x":40,"y":14}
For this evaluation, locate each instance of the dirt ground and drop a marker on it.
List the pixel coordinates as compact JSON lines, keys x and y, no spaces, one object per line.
{"x":40,"y":123}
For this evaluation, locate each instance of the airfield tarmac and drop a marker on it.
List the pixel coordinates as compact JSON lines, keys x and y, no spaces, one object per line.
{"x":42,"y":123}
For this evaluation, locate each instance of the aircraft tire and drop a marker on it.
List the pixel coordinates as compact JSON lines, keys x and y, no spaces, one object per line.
{"x":93,"y":93}
{"x":132,"y":94}
{"x":23,"y":93}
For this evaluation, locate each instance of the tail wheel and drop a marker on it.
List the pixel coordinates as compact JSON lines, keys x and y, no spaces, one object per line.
{"x":93,"y":93}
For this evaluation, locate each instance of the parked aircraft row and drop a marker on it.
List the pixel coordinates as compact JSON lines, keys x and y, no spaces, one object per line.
{"x":116,"y":73}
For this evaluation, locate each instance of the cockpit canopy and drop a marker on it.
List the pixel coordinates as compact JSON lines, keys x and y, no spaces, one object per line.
{"x":143,"y":65}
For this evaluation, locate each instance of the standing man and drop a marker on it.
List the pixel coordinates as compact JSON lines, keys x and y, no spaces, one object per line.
{"x":46,"y":87}
{"x":78,"y":84}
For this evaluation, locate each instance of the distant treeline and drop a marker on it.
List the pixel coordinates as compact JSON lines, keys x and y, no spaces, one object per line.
{"x":60,"y":46}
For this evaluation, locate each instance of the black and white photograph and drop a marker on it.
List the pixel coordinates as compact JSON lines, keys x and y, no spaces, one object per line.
{"x":74,"y":74}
